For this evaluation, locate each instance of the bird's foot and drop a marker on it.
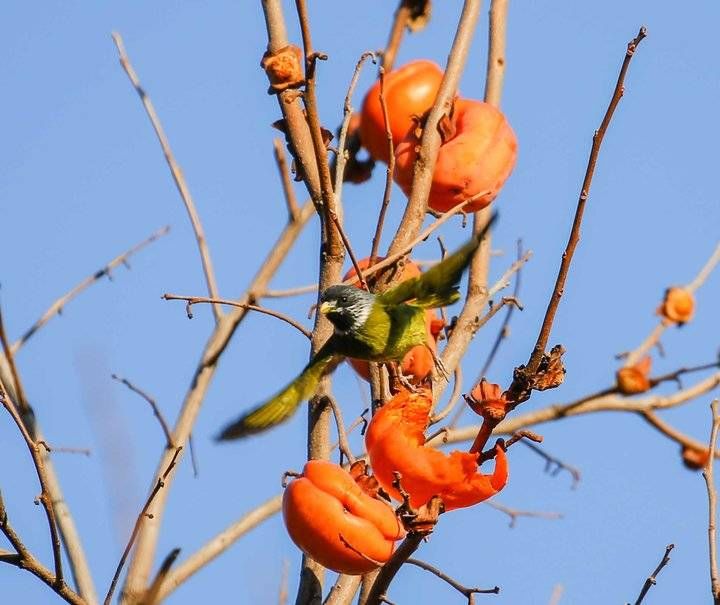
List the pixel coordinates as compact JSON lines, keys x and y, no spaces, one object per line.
{"x":398,"y":380}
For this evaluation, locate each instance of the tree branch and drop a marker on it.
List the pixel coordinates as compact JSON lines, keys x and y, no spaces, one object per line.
{"x":712,"y":505}
{"x":519,"y":390}
{"x":57,"y":307}
{"x":650,"y":582}
{"x":194,"y":300}
{"x":175,"y":170}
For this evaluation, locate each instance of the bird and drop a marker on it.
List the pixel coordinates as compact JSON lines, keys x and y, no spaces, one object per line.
{"x":376,"y":327}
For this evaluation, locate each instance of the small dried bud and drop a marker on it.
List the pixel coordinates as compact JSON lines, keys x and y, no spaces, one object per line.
{"x":634,"y":379}
{"x":678,"y":306}
{"x":694,"y":459}
{"x":284,"y":68}
{"x":486,"y":399}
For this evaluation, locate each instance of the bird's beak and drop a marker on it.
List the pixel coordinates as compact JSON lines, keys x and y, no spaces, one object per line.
{"x":326,"y":308}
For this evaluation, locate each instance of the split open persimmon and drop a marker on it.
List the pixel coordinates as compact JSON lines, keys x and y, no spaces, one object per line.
{"x":409,"y":91}
{"x":476,"y":157}
{"x":395,"y":442}
{"x":418,"y":362}
{"x":333,"y":520}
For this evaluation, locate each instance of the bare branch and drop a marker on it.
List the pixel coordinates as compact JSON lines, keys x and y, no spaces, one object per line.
{"x":343,"y":590}
{"x":153,"y":405}
{"x":650,"y":582}
{"x":554,"y":465}
{"x":514,"y":513}
{"x":175,"y":170}
{"x":712,"y":504}
{"x":519,"y":389}
{"x":600,"y":402}
{"x":347,"y":115}
{"x":390,"y":170}
{"x":194,"y":300}
{"x":39,"y":463}
{"x":454,"y":398}
{"x":463,"y":590}
{"x":57,"y":307}
{"x":23,"y":559}
{"x":285,"y":180}
{"x":138,"y":523}
{"x":343,"y":443}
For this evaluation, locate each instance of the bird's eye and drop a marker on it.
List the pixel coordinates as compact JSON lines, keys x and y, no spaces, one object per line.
{"x":343,"y":299}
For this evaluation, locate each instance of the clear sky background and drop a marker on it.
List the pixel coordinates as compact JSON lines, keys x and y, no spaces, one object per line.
{"x":82,"y":179}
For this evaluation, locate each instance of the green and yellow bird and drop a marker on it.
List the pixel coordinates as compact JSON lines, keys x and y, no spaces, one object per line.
{"x":375,"y":327}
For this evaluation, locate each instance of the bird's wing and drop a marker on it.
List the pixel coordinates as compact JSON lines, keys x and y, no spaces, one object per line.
{"x":283,"y":405}
{"x":438,"y":286}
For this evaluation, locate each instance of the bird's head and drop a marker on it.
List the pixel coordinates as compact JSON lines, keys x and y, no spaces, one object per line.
{"x":346,"y":307}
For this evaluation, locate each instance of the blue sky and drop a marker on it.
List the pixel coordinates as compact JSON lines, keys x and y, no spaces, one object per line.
{"x":82,"y":179}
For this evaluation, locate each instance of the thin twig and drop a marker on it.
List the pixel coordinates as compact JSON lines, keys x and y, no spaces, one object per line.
{"x":57,"y":307}
{"x":514,"y":513}
{"x":454,"y":398}
{"x":142,"y":561}
{"x":477,"y":292}
{"x":153,"y":405}
{"x":393,"y":258}
{"x":347,"y":115}
{"x":504,"y":331}
{"x":712,"y":504}
{"x":464,"y":590}
{"x":389,"y":172}
{"x":343,"y":443}
{"x":285,"y":180}
{"x":554,"y":465}
{"x":44,"y":498}
{"x":138,"y":523}
{"x":407,"y":547}
{"x":518,"y":390}
{"x":194,"y":300}
{"x":175,"y":170}
{"x":21,"y":401}
{"x":23,"y":559}
{"x":651,"y":581}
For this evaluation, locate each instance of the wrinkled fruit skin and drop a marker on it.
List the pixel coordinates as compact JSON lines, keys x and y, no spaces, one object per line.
{"x":418,"y":362}
{"x":395,"y":442}
{"x":409,"y":91}
{"x":478,"y":157}
{"x":326,"y":503}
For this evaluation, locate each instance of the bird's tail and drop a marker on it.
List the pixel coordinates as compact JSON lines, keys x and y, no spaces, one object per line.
{"x":282,"y":405}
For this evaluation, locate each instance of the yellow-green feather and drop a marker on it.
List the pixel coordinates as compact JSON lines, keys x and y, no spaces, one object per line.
{"x":438,"y":286}
{"x":282,"y":405}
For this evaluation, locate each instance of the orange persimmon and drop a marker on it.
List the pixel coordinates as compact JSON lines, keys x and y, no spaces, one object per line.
{"x":333,"y":520}
{"x":395,"y":441}
{"x":634,"y":379}
{"x":477,"y":156}
{"x":418,"y":362}
{"x":678,"y":306}
{"x":409,"y":91}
